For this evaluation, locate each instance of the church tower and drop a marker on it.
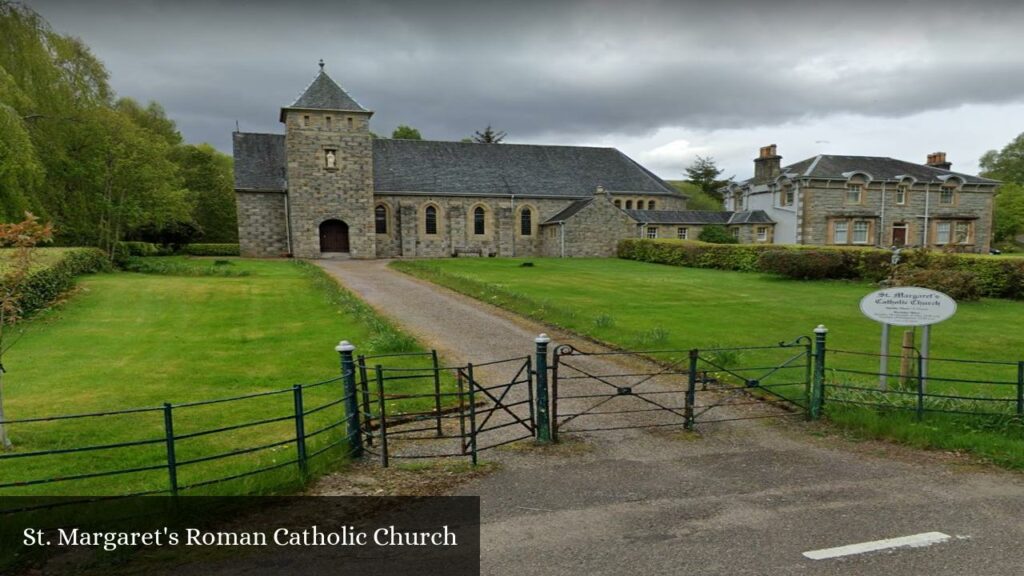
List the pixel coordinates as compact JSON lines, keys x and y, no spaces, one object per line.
{"x":329,"y":154}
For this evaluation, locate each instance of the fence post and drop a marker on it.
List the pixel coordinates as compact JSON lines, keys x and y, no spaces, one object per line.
{"x":383,"y":424}
{"x":543,"y":418}
{"x":348,"y":375}
{"x":437,"y":391}
{"x":818,"y":387}
{"x":300,"y":430}
{"x":472,"y":412}
{"x":1020,"y":388}
{"x":691,"y":389}
{"x":172,"y":461}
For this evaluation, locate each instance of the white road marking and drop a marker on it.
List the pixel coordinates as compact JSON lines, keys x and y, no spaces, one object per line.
{"x":915,"y":541}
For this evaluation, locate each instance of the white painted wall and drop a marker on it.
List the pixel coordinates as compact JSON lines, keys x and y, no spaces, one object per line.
{"x":784,"y":217}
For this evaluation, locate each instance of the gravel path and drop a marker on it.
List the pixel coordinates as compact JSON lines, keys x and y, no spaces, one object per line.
{"x":737,"y":498}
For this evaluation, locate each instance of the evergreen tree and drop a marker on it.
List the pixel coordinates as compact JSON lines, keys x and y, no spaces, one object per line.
{"x":488,"y":136}
{"x":704,"y":174}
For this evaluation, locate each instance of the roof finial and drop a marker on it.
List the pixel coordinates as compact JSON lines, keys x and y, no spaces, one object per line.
{"x":321,"y":64}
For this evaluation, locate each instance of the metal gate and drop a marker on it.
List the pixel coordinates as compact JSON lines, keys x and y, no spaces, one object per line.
{"x":463,"y":413}
{"x":598,"y":391}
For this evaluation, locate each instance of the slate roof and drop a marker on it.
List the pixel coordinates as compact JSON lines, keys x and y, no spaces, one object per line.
{"x":699,"y":217}
{"x":880,"y":168}
{"x":259,"y":162}
{"x":324,"y":94}
{"x":458,"y":168}
{"x":750,"y":217}
{"x":569,"y":211}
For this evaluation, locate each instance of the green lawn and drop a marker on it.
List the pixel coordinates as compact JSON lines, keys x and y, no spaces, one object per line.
{"x":128,"y":340}
{"x":636,"y":305}
{"x":41,"y":257}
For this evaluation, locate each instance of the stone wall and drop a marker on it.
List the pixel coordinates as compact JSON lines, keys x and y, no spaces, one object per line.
{"x":262,"y":227}
{"x":319,"y":192}
{"x":822,"y":204}
{"x":594,"y":231}
{"x":635,"y":201}
{"x":502,"y":235}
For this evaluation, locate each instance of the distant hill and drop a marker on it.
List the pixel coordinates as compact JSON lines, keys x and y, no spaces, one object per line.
{"x":699,"y":200}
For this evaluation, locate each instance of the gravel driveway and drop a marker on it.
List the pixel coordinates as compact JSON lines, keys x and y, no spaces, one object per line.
{"x":738,"y":498}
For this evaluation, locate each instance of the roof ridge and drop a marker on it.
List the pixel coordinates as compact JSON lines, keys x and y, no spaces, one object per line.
{"x":508,"y":144}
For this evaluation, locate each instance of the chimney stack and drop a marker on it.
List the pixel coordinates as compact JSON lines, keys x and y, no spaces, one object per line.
{"x":768,"y":164}
{"x":938,"y":160}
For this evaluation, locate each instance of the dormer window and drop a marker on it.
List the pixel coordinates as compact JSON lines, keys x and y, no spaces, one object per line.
{"x":331,"y":159}
{"x":947,"y":196}
{"x":901,"y":195}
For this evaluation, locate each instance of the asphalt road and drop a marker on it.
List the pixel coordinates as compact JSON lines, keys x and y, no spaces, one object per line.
{"x":737,"y":498}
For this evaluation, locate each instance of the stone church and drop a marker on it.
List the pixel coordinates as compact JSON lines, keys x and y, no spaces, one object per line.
{"x":328,"y":188}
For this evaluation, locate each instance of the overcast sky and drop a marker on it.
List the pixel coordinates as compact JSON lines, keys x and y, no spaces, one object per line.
{"x":661,"y":81}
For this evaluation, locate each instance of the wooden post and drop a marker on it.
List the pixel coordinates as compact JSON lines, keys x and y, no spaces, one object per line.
{"x":906,"y":356}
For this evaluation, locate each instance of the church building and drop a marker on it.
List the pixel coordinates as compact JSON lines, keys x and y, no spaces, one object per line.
{"x":328,"y":188}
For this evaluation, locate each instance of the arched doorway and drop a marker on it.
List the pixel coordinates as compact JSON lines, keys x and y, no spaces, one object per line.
{"x":333,"y":236}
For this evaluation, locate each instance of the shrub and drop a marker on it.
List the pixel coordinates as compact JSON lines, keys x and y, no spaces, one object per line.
{"x":211,"y":250}
{"x":141,"y":248}
{"x":44,"y":286}
{"x":959,"y":284}
{"x":716,"y":234}
{"x":807,"y":264}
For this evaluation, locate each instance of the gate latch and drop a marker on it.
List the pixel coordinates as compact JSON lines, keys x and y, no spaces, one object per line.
{"x":625,"y":391}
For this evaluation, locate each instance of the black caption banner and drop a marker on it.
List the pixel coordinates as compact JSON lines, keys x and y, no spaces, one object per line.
{"x":212,"y":536}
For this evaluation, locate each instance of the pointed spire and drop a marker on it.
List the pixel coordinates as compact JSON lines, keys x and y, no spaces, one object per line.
{"x":323,"y":93}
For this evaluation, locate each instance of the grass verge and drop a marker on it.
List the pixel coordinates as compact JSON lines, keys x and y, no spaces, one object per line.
{"x":130,"y":340}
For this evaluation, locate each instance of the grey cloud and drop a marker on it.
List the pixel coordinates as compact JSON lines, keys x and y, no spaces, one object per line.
{"x":579,"y":69}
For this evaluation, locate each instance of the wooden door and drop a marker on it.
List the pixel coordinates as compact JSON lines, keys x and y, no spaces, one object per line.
{"x":899,"y":234}
{"x":334,"y":236}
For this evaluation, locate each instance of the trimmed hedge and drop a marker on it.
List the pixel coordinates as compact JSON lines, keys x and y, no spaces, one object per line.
{"x":210,"y":249}
{"x":958,"y":284}
{"x":994,"y":277}
{"x":44,"y":286}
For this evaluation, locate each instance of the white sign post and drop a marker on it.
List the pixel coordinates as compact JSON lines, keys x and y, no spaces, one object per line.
{"x":906,"y":306}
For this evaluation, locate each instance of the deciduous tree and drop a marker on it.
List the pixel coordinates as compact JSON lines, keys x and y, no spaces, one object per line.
{"x":404,"y":132}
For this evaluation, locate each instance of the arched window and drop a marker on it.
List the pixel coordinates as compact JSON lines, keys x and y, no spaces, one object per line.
{"x":650,"y":204}
{"x":526,"y":222}
{"x":430,"y":220}
{"x":618,"y":203}
{"x":380,"y":219}
{"x":479,"y":221}
{"x":629,"y":204}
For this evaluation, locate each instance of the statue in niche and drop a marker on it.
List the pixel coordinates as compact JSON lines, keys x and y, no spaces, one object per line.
{"x":332,"y":159}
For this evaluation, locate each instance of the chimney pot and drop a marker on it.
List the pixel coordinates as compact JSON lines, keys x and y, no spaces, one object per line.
{"x":938,"y":160}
